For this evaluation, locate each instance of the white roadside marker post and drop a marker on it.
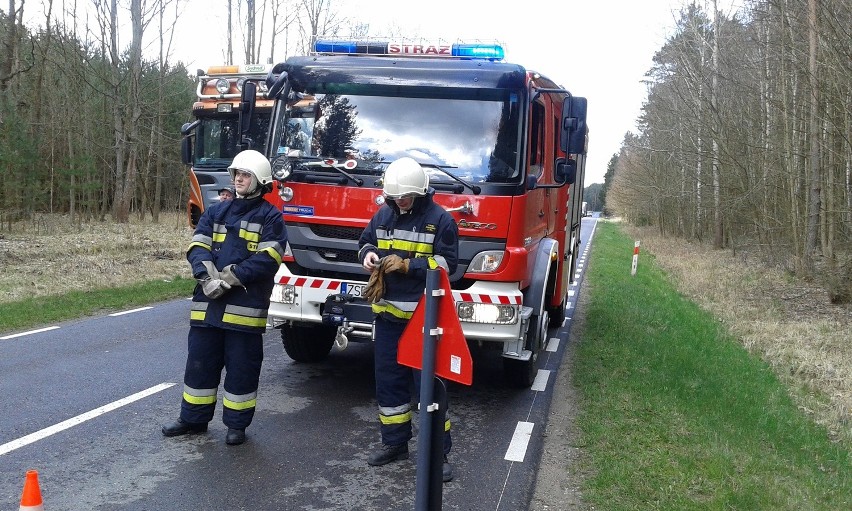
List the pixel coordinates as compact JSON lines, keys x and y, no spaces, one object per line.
{"x":635,"y":259}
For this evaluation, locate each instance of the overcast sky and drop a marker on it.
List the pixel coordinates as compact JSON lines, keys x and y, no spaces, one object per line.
{"x":600,"y":49}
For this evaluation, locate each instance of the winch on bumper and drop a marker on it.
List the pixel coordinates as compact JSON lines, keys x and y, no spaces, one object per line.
{"x":353,"y":317}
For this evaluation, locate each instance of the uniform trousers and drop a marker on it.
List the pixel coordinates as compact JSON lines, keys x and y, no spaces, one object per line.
{"x":393,"y":386}
{"x":210,"y":350}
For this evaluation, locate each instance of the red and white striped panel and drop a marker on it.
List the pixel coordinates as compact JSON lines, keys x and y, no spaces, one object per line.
{"x":479,"y":298}
{"x":331,"y":285}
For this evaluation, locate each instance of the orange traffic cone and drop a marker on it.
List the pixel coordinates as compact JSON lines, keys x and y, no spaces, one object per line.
{"x":31,"y":498}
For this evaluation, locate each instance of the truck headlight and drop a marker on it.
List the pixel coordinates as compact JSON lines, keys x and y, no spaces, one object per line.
{"x":284,"y":293}
{"x":487,"y":313}
{"x":486,"y":262}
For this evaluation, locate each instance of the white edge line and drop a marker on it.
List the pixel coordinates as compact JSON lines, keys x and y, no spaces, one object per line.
{"x":130,"y":311}
{"x":553,"y":344}
{"x":40,"y":330}
{"x":520,"y":440}
{"x":541,"y":379}
{"x":56,"y":428}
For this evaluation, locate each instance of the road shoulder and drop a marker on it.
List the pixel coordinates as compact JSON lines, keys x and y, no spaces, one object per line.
{"x":557,"y":485}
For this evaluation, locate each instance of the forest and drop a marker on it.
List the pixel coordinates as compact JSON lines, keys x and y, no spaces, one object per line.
{"x":90,"y":124}
{"x":744,"y":139}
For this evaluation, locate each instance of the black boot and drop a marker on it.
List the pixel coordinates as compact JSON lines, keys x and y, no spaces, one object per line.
{"x":235,"y":436}
{"x":387,"y":454}
{"x":179,"y":427}
{"x":447,"y":472}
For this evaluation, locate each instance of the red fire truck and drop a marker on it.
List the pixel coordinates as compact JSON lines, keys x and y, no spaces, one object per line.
{"x":505,"y":150}
{"x":215,"y":131}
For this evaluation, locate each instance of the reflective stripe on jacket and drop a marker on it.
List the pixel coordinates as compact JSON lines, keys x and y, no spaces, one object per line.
{"x":249,"y":233}
{"x":427,"y":236}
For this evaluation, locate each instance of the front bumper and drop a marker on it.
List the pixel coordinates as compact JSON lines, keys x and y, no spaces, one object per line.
{"x":299,"y":299}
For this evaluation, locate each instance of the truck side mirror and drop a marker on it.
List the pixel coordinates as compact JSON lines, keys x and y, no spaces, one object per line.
{"x":186,"y":142}
{"x":566,"y":171}
{"x":186,"y":150}
{"x":572,"y":140}
{"x":247,"y":101}
{"x":532,"y":182}
{"x":275,"y":80}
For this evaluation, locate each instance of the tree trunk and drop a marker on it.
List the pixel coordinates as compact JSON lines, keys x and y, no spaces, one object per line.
{"x":7,"y":57}
{"x":814,"y":154}
{"x":718,"y":235}
{"x":130,"y":136}
{"x":230,"y":51}
{"x":119,"y":213}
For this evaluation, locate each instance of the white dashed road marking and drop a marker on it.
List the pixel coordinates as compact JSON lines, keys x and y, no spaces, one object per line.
{"x":130,"y":311}
{"x":62,"y":426}
{"x":540,"y":382}
{"x":518,"y":446}
{"x":40,"y":330}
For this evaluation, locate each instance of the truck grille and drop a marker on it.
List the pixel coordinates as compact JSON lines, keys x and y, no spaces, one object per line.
{"x":337,"y":232}
{"x":338,"y":256}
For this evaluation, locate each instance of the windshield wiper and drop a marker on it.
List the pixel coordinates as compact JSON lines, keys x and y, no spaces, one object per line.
{"x":306,"y":162}
{"x":474,"y":188}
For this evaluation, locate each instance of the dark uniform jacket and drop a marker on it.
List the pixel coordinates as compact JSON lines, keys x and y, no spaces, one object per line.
{"x":427,"y":235}
{"x":251,"y":234}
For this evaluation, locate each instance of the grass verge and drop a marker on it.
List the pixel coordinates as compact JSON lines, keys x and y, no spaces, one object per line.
{"x":35,"y":311}
{"x":676,"y":415}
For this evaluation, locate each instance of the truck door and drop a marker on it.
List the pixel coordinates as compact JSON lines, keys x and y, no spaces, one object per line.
{"x":538,"y":206}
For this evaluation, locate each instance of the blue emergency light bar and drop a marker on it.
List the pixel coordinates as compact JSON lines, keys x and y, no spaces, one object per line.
{"x":471,"y":51}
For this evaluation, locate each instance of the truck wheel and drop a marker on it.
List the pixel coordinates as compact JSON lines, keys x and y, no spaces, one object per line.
{"x":521,"y":373}
{"x":557,"y":314}
{"x":307,"y":343}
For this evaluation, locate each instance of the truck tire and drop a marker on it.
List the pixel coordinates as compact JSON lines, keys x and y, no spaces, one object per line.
{"x":522,"y":373}
{"x":307,"y":343}
{"x":557,"y":314}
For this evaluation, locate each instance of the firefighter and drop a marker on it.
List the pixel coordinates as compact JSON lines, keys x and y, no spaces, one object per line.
{"x":407,"y":236}
{"x":235,"y":252}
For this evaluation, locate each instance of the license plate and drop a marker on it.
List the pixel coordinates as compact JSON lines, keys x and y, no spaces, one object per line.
{"x":354,"y":289}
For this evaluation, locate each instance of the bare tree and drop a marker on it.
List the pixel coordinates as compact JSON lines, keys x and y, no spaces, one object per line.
{"x":714,"y":103}
{"x":282,"y":18}
{"x":229,"y":56}
{"x":11,"y":24}
{"x":317,"y":18}
{"x":776,"y":120}
{"x":814,"y":136}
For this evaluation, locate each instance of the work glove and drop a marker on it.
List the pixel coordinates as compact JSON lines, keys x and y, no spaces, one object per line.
{"x":214,"y":288}
{"x":230,"y":277}
{"x":211,"y":269}
{"x":375,"y":286}
{"x":394,"y":263}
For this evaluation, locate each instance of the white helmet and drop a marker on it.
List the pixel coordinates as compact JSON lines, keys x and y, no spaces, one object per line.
{"x":405,"y":178}
{"x":254,"y":162}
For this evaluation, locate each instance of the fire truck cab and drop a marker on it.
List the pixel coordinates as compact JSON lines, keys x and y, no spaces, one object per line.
{"x":215,"y":131}
{"x":504,"y":147}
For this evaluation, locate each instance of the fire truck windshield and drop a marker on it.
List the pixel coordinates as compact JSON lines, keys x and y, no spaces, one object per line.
{"x":471,"y":133}
{"x":216,"y":139}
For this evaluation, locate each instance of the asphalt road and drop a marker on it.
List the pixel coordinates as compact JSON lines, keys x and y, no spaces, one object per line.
{"x":84,"y":400}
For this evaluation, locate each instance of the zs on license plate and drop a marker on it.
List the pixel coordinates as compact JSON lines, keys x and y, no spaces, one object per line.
{"x":353,"y":289}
